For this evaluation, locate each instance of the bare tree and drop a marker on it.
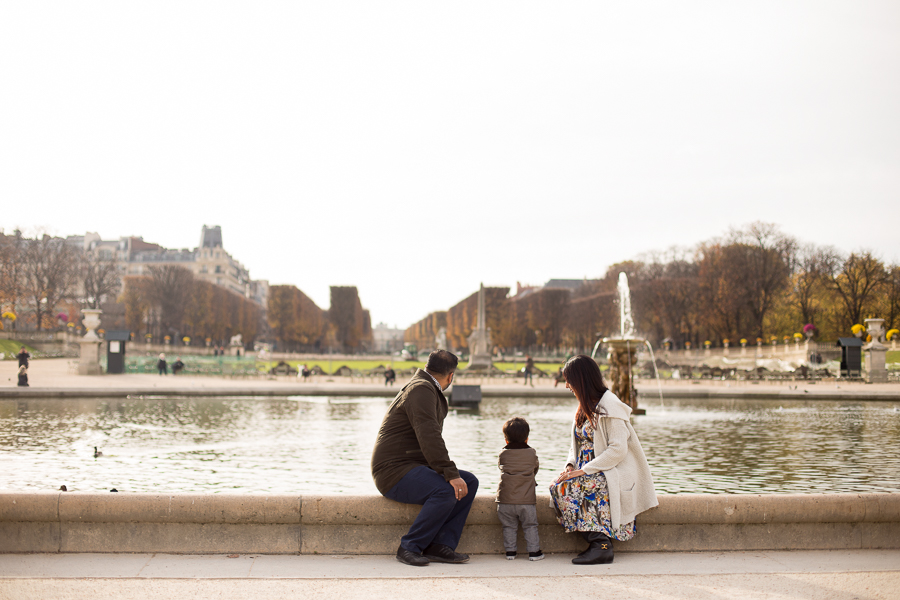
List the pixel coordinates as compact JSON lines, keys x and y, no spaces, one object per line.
{"x":892,"y":300}
{"x":855,"y":280}
{"x":766,"y":269}
{"x":49,"y":274}
{"x":170,"y":291}
{"x":811,"y":270}
{"x":100,"y":278}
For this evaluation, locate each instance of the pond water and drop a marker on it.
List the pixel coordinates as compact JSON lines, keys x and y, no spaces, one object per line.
{"x":309,"y":445}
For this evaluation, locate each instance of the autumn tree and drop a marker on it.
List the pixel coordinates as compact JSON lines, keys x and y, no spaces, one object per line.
{"x":294,"y":318}
{"x":346,"y":315}
{"x":892,"y":298}
{"x":12,"y":249}
{"x":424,"y":332}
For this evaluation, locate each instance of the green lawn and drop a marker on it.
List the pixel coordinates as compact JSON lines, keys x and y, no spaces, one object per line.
{"x":9,"y":348}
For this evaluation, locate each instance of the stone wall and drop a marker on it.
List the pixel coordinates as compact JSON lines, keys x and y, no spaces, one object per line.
{"x":221,"y":524}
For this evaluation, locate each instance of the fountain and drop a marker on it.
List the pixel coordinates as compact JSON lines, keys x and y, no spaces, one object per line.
{"x":623,"y":352}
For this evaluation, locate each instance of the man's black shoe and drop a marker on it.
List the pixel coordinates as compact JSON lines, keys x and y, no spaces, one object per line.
{"x":444,"y":554}
{"x":408,"y":557}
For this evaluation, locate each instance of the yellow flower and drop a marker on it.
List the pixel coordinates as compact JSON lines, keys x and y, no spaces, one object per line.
{"x":798,"y":336}
{"x":9,"y":315}
{"x":891,"y":333}
{"x":857,"y":329}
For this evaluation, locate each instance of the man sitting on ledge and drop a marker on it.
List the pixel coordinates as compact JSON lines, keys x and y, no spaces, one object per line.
{"x":410,"y":464}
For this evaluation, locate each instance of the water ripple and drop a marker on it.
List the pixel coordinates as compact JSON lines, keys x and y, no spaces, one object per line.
{"x":319,"y":445}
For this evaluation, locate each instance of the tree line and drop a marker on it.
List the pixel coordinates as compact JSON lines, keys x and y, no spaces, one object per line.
{"x":299,"y":325}
{"x":170,"y":301}
{"x":754,"y":283}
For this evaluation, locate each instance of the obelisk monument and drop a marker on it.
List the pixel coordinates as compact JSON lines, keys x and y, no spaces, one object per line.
{"x":480,"y":340}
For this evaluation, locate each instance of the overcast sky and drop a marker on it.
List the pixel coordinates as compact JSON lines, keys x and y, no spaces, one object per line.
{"x":415,"y":149}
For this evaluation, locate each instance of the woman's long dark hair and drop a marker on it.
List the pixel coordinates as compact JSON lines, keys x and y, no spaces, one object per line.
{"x":583,"y":376}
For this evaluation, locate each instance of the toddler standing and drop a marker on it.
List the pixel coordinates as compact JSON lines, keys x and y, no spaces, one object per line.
{"x":517,"y":502}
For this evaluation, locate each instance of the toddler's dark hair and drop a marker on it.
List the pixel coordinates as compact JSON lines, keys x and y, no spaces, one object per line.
{"x":516,"y":430}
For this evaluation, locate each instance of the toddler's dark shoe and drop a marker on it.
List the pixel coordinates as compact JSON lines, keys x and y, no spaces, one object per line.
{"x":510,"y":556}
{"x":444,"y":554}
{"x":408,"y":557}
{"x":536,"y":555}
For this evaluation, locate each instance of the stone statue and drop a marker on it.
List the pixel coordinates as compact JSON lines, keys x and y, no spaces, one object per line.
{"x":440,"y":340}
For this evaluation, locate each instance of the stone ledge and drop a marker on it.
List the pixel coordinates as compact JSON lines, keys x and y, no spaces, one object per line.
{"x":282,"y":524}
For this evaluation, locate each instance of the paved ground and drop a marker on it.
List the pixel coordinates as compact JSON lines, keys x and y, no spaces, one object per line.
{"x":54,"y":377}
{"x":847,"y":574}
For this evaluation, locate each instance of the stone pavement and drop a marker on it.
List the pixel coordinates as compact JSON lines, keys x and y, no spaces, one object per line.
{"x":834,"y":574}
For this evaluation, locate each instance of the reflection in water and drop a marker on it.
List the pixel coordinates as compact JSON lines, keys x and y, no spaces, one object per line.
{"x":322,"y":445}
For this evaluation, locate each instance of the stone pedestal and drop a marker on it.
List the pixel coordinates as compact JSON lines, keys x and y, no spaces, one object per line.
{"x":876,"y":369}
{"x":89,"y":362}
{"x":876,"y":353}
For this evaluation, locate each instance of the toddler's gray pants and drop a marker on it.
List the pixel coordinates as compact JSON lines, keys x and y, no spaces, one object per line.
{"x":510,"y":517}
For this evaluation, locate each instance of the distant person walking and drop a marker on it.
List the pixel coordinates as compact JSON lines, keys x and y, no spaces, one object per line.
{"x":23,"y":357}
{"x":177,"y":366}
{"x":390,"y":376}
{"x":162,"y":366}
{"x":529,"y":371}
{"x":560,"y":378}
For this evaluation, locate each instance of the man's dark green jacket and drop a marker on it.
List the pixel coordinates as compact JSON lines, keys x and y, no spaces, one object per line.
{"x":411,"y":434}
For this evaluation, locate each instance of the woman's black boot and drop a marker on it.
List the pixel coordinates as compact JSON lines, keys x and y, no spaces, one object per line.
{"x":600,"y":551}
{"x":587,"y":537}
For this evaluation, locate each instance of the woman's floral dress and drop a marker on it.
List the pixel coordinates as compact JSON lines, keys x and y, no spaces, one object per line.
{"x":582,"y":503}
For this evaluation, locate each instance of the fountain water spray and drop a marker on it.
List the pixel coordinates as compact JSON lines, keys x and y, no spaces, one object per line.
{"x":626,"y":321}
{"x":623,"y":352}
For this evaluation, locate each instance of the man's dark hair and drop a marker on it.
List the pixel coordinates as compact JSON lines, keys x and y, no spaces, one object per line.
{"x":516,"y":430}
{"x":442,"y":362}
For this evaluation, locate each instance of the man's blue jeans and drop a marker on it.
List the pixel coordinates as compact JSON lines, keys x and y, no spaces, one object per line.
{"x":442,"y":516}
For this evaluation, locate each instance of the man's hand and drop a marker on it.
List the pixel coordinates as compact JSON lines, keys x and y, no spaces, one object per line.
{"x":460,"y":487}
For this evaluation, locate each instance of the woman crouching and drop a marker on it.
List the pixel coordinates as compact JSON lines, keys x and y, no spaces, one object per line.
{"x":607,"y":481}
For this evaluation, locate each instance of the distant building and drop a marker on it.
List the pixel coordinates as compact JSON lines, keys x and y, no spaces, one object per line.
{"x":573,"y":285}
{"x":209,"y":261}
{"x":386,"y":339}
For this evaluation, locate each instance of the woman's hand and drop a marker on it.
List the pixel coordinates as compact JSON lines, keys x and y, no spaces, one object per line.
{"x":569,"y":473}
